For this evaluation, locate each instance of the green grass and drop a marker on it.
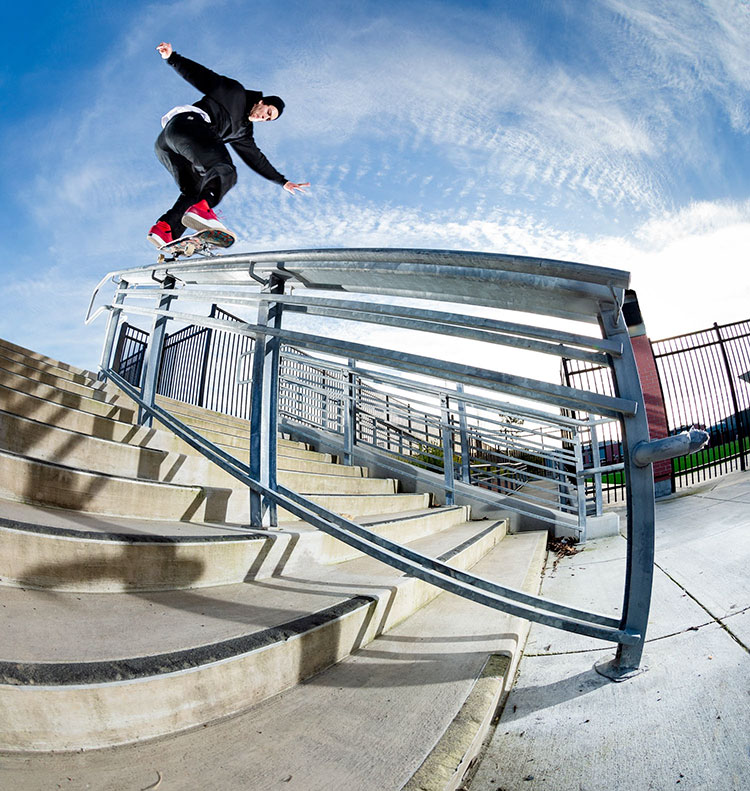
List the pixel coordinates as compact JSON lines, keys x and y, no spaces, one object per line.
{"x":711,"y":455}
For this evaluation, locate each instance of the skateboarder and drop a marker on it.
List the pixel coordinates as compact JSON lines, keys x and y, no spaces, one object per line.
{"x":192,"y":146}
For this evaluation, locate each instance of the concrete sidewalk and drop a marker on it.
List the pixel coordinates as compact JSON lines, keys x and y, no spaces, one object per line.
{"x":685,"y":723}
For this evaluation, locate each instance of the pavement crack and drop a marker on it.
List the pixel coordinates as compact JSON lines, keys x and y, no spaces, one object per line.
{"x":716,"y":620}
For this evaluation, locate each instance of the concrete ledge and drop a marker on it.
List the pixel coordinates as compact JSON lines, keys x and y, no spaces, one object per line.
{"x":450,"y":759}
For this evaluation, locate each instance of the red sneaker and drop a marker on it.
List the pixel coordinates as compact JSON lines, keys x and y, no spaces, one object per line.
{"x":160,"y":234}
{"x":201,"y":217}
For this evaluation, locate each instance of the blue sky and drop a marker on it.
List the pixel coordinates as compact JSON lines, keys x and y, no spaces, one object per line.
{"x":603,"y":131}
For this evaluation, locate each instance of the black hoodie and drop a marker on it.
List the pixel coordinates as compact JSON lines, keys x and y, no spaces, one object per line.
{"x":228,"y":104}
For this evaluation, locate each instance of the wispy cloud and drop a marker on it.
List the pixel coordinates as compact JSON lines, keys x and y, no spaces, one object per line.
{"x":454,"y":127}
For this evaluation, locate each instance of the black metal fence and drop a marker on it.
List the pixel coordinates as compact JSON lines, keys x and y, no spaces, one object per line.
{"x":705,"y":378}
{"x":199,"y":365}
{"x":705,"y":383}
{"x":130,"y":353}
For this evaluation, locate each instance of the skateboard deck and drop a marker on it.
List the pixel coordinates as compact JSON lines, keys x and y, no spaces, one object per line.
{"x":200,"y":243}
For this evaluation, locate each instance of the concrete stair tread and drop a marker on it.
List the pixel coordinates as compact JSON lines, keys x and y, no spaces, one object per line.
{"x":366,"y":723}
{"x":64,"y":486}
{"x":43,"y":442}
{"x":45,"y":412}
{"x":57,"y":549}
{"x":45,"y":626}
{"x":53,"y":369}
{"x":39,"y":517}
{"x":120,"y":410}
{"x":94,"y":390}
{"x":31,"y":354}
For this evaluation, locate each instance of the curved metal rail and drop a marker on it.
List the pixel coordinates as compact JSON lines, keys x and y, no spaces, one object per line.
{"x":558,"y":289}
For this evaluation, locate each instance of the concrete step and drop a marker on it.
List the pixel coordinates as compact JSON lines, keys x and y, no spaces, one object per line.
{"x":13,"y":387}
{"x":44,"y":442}
{"x":95,"y":390}
{"x":226,"y":422}
{"x":218,"y":421}
{"x":52,"y":369}
{"x":60,"y":550}
{"x":193,"y":657}
{"x":64,"y":486}
{"x":232,"y":444}
{"x":223,"y":432}
{"x":87,"y":421}
{"x":42,"y":358}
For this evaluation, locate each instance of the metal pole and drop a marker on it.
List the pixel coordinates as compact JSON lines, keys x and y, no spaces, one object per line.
{"x":350,"y":415}
{"x":263,"y":407}
{"x":113,"y":322}
{"x":596,"y":461}
{"x":204,"y":362}
{"x":463,"y":429}
{"x":152,"y":365}
{"x":580,"y":488}
{"x":447,"y":432}
{"x":640,"y":504}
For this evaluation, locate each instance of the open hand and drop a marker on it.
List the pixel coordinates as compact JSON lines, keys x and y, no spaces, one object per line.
{"x":290,"y":186}
{"x":164,"y":49}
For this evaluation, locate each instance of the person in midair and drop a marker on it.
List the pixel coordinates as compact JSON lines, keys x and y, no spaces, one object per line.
{"x":192,"y":147}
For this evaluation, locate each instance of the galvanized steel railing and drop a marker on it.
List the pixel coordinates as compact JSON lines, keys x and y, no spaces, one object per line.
{"x":525,"y":460}
{"x":552,"y":288}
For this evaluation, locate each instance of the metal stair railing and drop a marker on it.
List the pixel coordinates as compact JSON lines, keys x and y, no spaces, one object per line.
{"x":538,"y":286}
{"x":415,"y":422}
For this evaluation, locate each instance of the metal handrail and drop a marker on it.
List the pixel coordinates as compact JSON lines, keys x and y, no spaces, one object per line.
{"x":553,"y":288}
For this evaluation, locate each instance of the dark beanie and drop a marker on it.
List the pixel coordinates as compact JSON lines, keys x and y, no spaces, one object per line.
{"x":274,"y":101}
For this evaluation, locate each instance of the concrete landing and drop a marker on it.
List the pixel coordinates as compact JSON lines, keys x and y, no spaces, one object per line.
{"x":683,"y":724}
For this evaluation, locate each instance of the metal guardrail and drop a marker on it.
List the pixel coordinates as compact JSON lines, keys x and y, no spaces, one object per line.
{"x":538,"y":286}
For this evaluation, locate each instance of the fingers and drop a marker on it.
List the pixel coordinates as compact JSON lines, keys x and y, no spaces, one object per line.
{"x":290,"y":186}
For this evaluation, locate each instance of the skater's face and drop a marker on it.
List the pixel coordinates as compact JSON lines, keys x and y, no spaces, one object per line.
{"x":263,"y":112}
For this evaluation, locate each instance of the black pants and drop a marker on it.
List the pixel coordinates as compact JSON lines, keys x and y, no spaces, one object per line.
{"x":199,"y":162}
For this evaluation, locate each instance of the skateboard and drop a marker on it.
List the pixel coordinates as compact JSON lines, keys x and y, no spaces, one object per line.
{"x":201,"y":243}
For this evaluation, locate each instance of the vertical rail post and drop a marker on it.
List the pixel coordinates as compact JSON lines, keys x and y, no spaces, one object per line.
{"x":738,"y":415}
{"x":113,"y":322}
{"x":640,"y":503}
{"x":152,"y":364}
{"x":350,"y":414}
{"x":596,"y":462}
{"x":580,"y":487}
{"x":447,"y":436}
{"x":209,"y":336}
{"x":263,"y":407}
{"x":464,"y":435}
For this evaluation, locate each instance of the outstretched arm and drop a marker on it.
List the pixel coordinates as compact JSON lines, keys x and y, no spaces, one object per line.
{"x":198,"y":76}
